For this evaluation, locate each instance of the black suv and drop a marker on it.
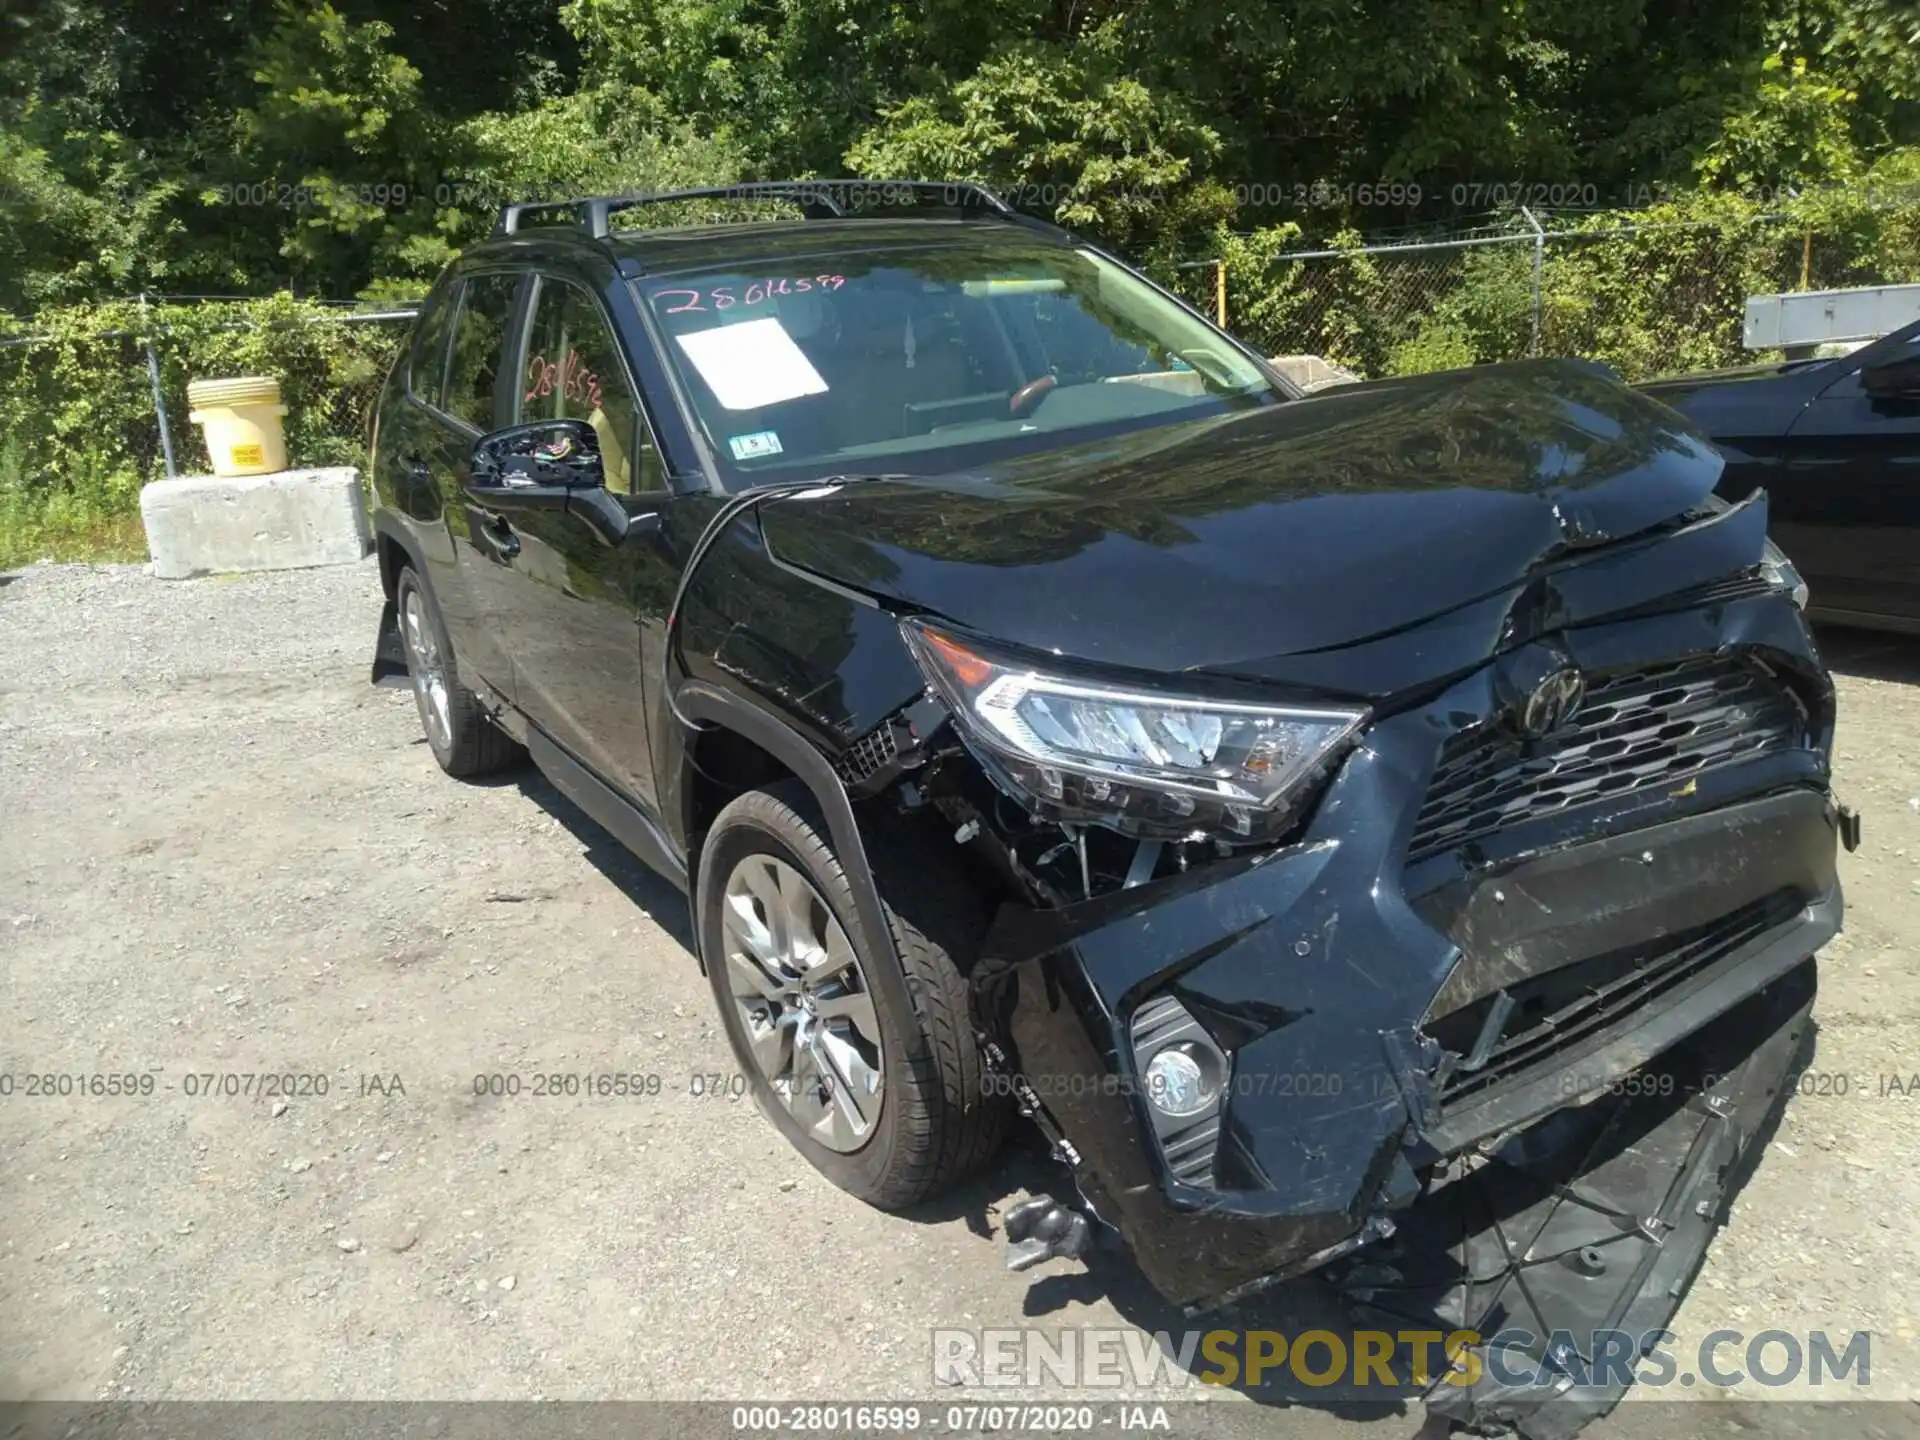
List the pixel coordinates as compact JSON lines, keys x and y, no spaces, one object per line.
{"x":1282,"y":801}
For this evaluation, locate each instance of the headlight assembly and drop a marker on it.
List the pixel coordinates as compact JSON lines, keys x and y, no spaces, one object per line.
{"x":1776,"y":569}
{"x":1782,"y":574}
{"x":1147,"y":763}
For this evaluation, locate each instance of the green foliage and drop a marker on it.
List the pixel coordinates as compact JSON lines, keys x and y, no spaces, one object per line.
{"x":1335,"y":304}
{"x":350,"y":147}
{"x":78,"y":431}
{"x":80,"y":220}
{"x":337,"y":128}
{"x":1062,"y":129}
{"x":1796,"y":127}
{"x":1440,"y":345}
{"x":341,"y":147}
{"x":1264,"y":299}
{"x":1654,"y":291}
{"x":1476,"y":307}
{"x":610,"y":140}
{"x":1669,"y":295}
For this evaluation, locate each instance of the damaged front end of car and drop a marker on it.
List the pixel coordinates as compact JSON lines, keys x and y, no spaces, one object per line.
{"x":1486,"y":907}
{"x":1462,"y":959}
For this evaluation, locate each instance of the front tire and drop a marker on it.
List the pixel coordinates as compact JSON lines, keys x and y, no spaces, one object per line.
{"x":464,"y":740}
{"x":873,"y":1073}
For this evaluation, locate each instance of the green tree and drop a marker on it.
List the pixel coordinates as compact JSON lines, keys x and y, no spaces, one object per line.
{"x":1066,"y":128}
{"x":339,"y":134}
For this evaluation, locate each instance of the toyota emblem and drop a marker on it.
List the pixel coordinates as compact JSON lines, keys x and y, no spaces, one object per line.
{"x":1552,"y":702}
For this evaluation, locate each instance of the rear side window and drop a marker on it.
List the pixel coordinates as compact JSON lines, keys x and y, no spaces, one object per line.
{"x":473,"y":370}
{"x":427,"y":368}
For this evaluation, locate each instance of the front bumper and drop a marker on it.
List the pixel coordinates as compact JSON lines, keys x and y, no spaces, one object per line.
{"x":1569,"y":1244}
{"x":1351,"y":988}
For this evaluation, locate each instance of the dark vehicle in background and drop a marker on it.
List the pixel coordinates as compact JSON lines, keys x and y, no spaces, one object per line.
{"x":1305,"y":810}
{"x":1836,"y":446}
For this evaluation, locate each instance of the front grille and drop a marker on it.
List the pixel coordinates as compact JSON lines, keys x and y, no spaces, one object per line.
{"x":1556,"y":1012}
{"x":1637,"y":730}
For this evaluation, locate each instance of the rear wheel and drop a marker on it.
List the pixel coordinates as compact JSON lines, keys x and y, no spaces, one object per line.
{"x":463,"y":739}
{"x":871,"y":1070}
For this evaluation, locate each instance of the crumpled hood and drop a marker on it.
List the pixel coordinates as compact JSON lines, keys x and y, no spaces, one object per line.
{"x":1298,"y":527}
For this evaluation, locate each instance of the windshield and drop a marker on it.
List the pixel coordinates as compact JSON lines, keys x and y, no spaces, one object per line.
{"x":925,"y":358}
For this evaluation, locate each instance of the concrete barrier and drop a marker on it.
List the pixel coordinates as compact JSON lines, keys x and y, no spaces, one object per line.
{"x":1311,"y":372}
{"x":203,"y":524}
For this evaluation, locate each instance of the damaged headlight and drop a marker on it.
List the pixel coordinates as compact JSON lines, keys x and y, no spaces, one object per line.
{"x":1776,"y":569}
{"x":1162,"y":765}
{"x":1781,"y":573}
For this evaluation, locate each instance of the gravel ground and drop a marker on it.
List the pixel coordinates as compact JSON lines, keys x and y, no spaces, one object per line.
{"x":226,"y":853}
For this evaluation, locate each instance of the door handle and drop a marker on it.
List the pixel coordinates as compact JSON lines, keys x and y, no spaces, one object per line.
{"x":492,"y":535}
{"x":498,"y":536}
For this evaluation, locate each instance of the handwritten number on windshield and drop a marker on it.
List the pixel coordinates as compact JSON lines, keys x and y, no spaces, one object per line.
{"x":759,"y":292}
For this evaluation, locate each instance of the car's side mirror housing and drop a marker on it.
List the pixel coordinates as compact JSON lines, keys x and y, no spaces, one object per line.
{"x":553,"y":465}
{"x":1895,"y":380}
{"x":541,"y":455}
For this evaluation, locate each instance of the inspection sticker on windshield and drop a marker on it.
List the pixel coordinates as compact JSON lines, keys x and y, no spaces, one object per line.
{"x":752,"y":364}
{"x":752,"y":447}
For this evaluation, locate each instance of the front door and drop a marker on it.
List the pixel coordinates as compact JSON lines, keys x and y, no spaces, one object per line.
{"x":572,"y":624}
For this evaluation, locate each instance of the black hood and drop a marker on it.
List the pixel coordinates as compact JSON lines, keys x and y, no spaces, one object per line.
{"x":1299,"y":527}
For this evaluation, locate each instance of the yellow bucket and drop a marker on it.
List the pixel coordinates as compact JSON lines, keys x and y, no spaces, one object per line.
{"x":241,"y":420}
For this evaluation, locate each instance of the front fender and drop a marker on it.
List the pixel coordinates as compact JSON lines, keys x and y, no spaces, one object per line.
{"x":701,"y":702}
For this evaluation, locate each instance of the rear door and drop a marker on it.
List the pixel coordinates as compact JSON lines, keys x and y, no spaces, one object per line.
{"x":571,"y":618}
{"x":1854,"y":471}
{"x":408,"y":423}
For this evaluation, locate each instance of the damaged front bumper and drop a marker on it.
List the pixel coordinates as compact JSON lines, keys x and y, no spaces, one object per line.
{"x":1470,"y":935}
{"x":1568,"y":1248}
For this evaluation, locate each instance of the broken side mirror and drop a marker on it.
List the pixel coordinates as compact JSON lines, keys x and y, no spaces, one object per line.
{"x":551,"y":465}
{"x":545,"y":460}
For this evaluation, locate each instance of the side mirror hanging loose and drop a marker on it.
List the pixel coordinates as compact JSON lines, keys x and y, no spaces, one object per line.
{"x":561,"y":454}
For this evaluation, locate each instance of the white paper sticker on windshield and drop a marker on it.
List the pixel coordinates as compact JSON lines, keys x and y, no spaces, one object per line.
{"x":752,"y":364}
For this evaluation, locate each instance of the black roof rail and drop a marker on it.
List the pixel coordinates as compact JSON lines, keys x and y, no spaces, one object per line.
{"x":817,"y":199}
{"x":511,"y":216}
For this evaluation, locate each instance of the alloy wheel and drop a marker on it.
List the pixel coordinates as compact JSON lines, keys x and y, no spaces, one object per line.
{"x":427,"y":668}
{"x":803,"y":1001}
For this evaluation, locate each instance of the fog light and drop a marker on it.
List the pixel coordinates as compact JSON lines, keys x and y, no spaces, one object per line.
{"x":1177,"y":1085}
{"x":1183,"y":1080}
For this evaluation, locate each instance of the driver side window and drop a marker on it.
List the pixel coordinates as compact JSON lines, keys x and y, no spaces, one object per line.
{"x":573,"y":371}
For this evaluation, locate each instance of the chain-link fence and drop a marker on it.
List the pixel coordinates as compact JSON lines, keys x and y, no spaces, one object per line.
{"x":1397,"y":308}
{"x":93,"y":404}
{"x":331,"y":386}
{"x":93,"y":399}
{"x":105,"y":391}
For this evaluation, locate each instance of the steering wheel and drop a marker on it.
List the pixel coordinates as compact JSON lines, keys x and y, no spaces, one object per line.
{"x":1029,"y":395}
